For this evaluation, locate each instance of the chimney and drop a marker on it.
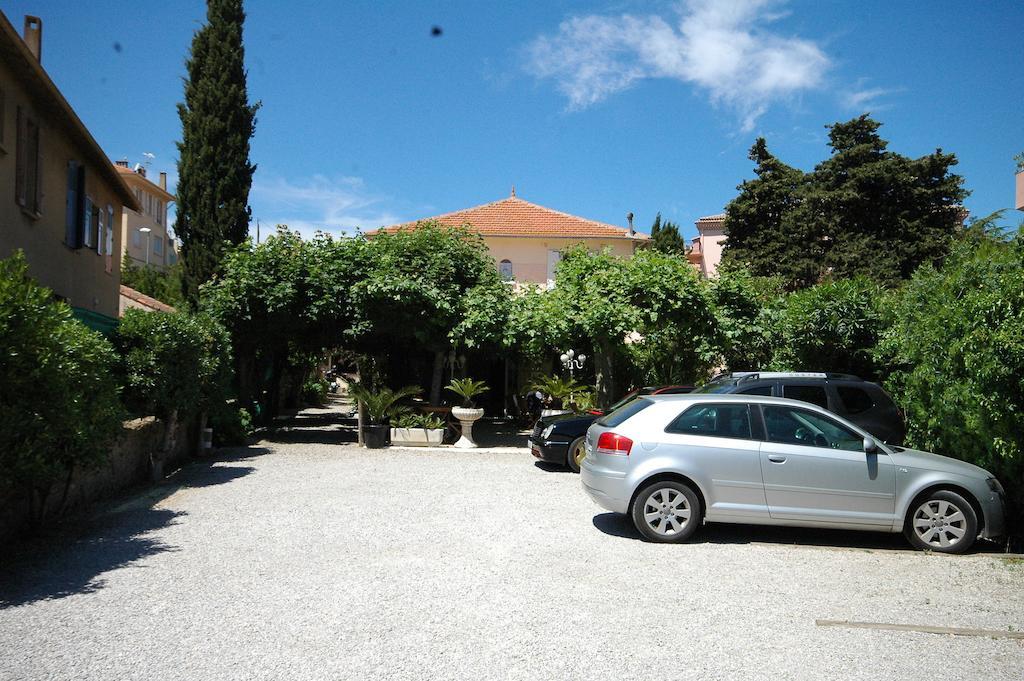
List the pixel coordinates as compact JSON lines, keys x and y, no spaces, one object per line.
{"x":123,"y":163}
{"x":33,"y":36}
{"x":629,"y":219}
{"x":140,"y":169}
{"x":163,"y":181}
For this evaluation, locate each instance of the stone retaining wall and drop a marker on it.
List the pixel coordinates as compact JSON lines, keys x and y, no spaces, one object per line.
{"x":128,"y":465}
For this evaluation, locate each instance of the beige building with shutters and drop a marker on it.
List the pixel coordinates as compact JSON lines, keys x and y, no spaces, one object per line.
{"x":156,"y":247}
{"x":60,"y":197}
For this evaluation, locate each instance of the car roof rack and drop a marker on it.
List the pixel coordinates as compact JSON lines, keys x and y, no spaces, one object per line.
{"x":757,"y":375}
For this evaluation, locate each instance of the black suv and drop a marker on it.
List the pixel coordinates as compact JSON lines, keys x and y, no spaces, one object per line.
{"x":559,"y":439}
{"x":853,"y":398}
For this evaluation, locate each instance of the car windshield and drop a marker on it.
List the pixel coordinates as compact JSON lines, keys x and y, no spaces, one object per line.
{"x":719,"y":386}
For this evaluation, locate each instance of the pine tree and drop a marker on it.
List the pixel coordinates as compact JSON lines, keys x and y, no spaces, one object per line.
{"x":665,"y":237}
{"x":763,"y":233}
{"x":214,"y":172}
{"x":863,"y":211}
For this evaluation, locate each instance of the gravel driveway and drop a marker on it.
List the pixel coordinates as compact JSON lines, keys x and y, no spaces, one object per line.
{"x":325,"y":561}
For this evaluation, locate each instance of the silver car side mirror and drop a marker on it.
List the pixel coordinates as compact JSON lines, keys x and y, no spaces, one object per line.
{"x":870,"y":446}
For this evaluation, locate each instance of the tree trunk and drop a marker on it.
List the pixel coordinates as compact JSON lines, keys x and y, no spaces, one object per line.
{"x":604,"y":361}
{"x":158,"y":457}
{"x":437,"y":378}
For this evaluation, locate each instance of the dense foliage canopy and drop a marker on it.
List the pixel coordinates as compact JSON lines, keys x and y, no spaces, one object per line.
{"x":865,"y":210}
{"x":955,"y":348}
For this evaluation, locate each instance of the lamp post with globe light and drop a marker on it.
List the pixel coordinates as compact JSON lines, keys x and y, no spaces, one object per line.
{"x":572,"y":361}
{"x":146,"y":231}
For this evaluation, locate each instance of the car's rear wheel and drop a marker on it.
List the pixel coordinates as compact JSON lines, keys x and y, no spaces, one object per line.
{"x":667,"y":511}
{"x":941,"y":521}
{"x":577,"y":452}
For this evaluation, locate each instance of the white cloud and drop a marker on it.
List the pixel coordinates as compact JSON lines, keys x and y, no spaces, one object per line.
{"x":317,"y":203}
{"x":863,"y":99}
{"x":719,"y":46}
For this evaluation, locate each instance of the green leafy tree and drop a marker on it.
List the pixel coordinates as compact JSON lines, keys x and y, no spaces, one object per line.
{"x":164,"y":285}
{"x":863,"y":211}
{"x":59,"y":406}
{"x":955,"y":347}
{"x":749,"y":311}
{"x":537,"y":324}
{"x":176,"y":365}
{"x":214,"y":171}
{"x":665,"y":237}
{"x":650,"y":309}
{"x":429,"y":287}
{"x":284,"y":301}
{"x":832,"y":326}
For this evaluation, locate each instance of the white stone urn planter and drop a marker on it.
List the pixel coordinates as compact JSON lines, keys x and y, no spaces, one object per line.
{"x":466,"y":419}
{"x":416,"y":437}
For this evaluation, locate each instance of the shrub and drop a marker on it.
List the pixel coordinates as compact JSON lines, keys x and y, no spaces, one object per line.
{"x":426,"y":421}
{"x":59,"y":406}
{"x":314,"y":391}
{"x":232,"y":425}
{"x":175,"y":364}
{"x":832,"y":326}
{"x":956,"y":348}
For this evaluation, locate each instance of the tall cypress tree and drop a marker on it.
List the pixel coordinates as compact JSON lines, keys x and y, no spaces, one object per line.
{"x":214,"y":172}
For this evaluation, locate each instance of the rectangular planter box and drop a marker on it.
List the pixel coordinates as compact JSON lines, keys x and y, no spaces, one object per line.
{"x":416,"y":437}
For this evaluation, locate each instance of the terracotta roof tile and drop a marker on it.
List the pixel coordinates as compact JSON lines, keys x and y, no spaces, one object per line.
{"x":143,"y":299}
{"x":515,"y":217}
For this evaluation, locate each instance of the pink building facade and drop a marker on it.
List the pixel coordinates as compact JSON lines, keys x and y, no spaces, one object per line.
{"x":706,"y":248}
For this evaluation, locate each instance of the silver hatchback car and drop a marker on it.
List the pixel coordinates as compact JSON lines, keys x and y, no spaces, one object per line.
{"x":674,"y":462}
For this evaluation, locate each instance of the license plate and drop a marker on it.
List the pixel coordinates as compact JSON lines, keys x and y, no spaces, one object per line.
{"x":535,"y":450}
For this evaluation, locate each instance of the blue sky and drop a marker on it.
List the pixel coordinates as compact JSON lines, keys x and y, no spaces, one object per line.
{"x":596,"y":108}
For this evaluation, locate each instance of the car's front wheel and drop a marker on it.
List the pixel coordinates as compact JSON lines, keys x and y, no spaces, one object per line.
{"x":941,"y":521}
{"x":577,"y":452}
{"x":667,"y":511}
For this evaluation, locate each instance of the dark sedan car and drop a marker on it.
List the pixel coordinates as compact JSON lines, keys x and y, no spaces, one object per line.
{"x":559,"y":439}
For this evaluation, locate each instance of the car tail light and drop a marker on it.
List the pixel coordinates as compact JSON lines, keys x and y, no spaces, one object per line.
{"x":596,"y":412}
{"x":613,"y":443}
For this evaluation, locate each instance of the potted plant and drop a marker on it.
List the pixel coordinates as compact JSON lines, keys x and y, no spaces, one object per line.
{"x":380,"y":406}
{"x":562,"y":392}
{"x":417,"y":430}
{"x":467,"y":389}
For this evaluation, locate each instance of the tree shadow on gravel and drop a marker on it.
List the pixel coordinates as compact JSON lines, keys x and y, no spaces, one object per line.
{"x":313,"y":428}
{"x":70,"y":557}
{"x":617,"y":525}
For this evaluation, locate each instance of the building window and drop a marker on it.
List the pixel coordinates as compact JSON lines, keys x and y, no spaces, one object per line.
{"x":158,"y":245}
{"x":74,"y":207}
{"x":26,"y":182}
{"x":97,"y":229}
{"x":505,"y":270}
{"x":87,"y":239}
{"x":136,"y":238}
{"x":159,"y":212}
{"x":101,"y":228}
{"x":110,"y":230}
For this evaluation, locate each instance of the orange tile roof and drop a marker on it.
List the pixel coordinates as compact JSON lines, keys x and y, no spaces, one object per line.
{"x":149,"y":184}
{"x":143,"y":299}
{"x":515,"y":217}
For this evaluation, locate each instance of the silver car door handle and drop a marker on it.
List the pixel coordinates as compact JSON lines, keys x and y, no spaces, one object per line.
{"x":775,"y":458}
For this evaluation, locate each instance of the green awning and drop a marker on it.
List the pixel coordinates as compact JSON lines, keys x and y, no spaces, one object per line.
{"x":95,"y":321}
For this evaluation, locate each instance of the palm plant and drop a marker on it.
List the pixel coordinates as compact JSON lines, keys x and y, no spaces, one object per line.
{"x":558,"y":388}
{"x":382,"y":405}
{"x":467,"y":389}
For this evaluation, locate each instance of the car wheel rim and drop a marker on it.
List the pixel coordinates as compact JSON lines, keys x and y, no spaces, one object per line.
{"x":940,"y":523}
{"x":579,"y":454}
{"x":667,"y":511}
